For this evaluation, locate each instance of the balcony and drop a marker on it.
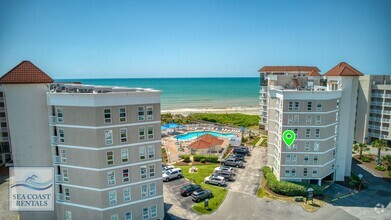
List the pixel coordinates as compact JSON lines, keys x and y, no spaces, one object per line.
{"x":52,"y":119}
{"x":54,"y":140}
{"x":4,"y":139}
{"x":381,"y":128}
{"x":378,"y":111}
{"x":60,"y":197}
{"x":2,"y":109}
{"x":56,"y":159}
{"x":3,"y":119}
{"x":376,"y":135}
{"x":58,"y":178}
{"x":1,"y":99}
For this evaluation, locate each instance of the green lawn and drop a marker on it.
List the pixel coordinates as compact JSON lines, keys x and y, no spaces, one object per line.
{"x":219,"y":193}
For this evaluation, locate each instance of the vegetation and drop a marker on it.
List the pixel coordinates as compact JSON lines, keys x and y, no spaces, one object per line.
{"x":219,"y":193}
{"x":380,"y":145}
{"x":178,"y":118}
{"x":387,"y":161}
{"x":202,"y":160}
{"x":206,"y":158}
{"x":255,"y":141}
{"x":236,"y":119}
{"x":356,"y":182}
{"x":186,"y":158}
{"x":360,"y":147}
{"x":366,"y":159}
{"x":288,"y":188}
{"x":244,"y":139}
{"x":381,"y":168}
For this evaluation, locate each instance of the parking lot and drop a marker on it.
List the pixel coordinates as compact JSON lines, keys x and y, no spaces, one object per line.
{"x":246,"y":181}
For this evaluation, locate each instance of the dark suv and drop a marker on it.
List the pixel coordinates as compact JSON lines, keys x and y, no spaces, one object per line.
{"x":242,"y":150}
{"x":188,"y":189}
{"x":200,"y":195}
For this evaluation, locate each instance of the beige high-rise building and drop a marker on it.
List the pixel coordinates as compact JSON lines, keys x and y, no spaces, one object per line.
{"x":103,"y":142}
{"x":320,"y":110}
{"x":373,"y":108}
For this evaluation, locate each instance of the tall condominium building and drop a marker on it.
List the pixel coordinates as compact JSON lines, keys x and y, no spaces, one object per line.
{"x":373,"y":108}
{"x":103,"y":142}
{"x":267,"y":72}
{"x":5,"y":146}
{"x":321,"y":112}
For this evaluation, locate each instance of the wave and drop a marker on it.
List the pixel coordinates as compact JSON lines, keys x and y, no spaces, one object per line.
{"x":34,"y":186}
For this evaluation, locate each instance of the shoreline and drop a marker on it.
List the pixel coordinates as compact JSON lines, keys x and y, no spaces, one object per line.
{"x":188,"y":111}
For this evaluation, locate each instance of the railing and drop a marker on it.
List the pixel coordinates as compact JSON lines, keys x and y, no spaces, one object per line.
{"x":371,"y":134}
{"x":60,"y":197}
{"x":381,"y":95}
{"x":379,"y":119}
{"x":1,"y":99}
{"x":2,"y":109}
{"x":3,"y":119}
{"x":56,"y":159}
{"x":52,"y":119}
{"x":58,"y":178}
{"x":4,"y":139}
{"x":54,"y":140}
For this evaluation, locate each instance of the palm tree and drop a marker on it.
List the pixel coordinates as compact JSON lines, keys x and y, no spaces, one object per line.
{"x":380,"y":145}
{"x":360,"y":147}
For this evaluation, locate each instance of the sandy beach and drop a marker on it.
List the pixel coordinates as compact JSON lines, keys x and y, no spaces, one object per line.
{"x":187,"y":111}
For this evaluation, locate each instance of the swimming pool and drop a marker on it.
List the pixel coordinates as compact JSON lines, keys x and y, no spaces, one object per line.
{"x":191,"y":135}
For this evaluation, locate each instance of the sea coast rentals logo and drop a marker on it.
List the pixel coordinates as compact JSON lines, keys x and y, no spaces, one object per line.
{"x":31,"y":189}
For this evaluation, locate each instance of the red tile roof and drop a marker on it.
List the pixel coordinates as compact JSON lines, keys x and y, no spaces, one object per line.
{"x":25,"y":73}
{"x":206,"y":141}
{"x":288,"y":69}
{"x":343,"y":69}
{"x":314,"y":73}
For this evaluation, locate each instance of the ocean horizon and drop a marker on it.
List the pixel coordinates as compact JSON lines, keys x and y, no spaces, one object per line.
{"x":192,"y":93}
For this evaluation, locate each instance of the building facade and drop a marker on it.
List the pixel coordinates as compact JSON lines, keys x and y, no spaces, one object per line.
{"x":5,"y":145}
{"x":318,"y":110}
{"x":373,"y":108}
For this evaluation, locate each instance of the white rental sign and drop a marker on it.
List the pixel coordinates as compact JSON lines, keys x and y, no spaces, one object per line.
{"x":31,"y":189}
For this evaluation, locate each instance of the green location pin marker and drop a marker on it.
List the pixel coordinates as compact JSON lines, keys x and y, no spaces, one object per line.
{"x":289,"y":137}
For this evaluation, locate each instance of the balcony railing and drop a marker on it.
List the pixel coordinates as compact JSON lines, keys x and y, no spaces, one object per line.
{"x":52,"y":120}
{"x":54,"y":140}
{"x":3,"y":119}
{"x":4,"y":139}
{"x":56,"y":159}
{"x":381,"y":128}
{"x":1,"y":99}
{"x":58,"y":178}
{"x":60,"y":197}
{"x":376,"y":135}
{"x":2,"y":109}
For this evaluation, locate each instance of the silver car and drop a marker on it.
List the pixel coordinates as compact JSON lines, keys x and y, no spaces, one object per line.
{"x":215,"y":180}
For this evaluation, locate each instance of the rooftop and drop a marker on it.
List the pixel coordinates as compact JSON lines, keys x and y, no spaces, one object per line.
{"x":293,"y":69}
{"x":343,"y":69}
{"x":67,"y":88}
{"x":206,"y":141}
{"x":25,"y":73}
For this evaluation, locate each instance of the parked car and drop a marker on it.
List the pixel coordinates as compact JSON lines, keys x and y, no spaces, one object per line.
{"x":238,"y":157}
{"x":242,"y":150}
{"x":215,"y":180}
{"x":188,"y":189}
{"x":224,"y":168}
{"x":172,"y":174}
{"x":200,"y":195}
{"x":230,"y":161}
{"x":226,"y":174}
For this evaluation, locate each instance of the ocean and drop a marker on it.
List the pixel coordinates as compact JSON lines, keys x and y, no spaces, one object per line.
{"x":181,"y":93}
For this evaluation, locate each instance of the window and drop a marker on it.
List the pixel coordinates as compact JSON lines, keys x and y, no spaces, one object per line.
{"x":113,"y":197}
{"x":122,"y":114}
{"x":293,"y":172}
{"x":294,"y":159}
{"x":142,"y":152}
{"x":61,"y":134}
{"x":60,"y":118}
{"x":316,"y":146}
{"x":65,"y":176}
{"x":317,"y":133}
{"x":315,"y":159}
{"x":111,"y":178}
{"x":151,"y":151}
{"x":63,"y":155}
{"x":68,"y":215}
{"x":337,"y":103}
{"x":287,"y":172}
{"x":149,"y":112}
{"x":150,"y":132}
{"x":123,"y":135}
{"x":152,"y":189}
{"x":305,"y":172}
{"x":128,"y":215}
{"x":124,"y":155}
{"x":151,"y":170}
{"x":333,"y":153}
{"x":141,"y":133}
{"x":107,"y":115}
{"x":318,"y":105}
{"x":307,"y":133}
{"x":307,"y":146}
{"x":306,"y":157}
{"x":110,"y":157}
{"x":332,"y":167}
{"x":308,"y":119}
{"x":296,"y":119}
{"x":67,"y":194}
{"x":144,"y":191}
{"x":290,"y":106}
{"x":336,"y":129}
{"x":153,"y":211}
{"x":290,"y":119}
{"x":127,"y":195}
{"x":125,"y":175}
{"x":109,"y":137}
{"x":309,"y":106}
{"x":336,"y":116}
{"x":295,"y":130}
{"x":114,"y":217}
{"x":143,"y":172}
{"x":297,"y":106}
{"x":314,"y":172}
{"x":288,"y":159}
{"x":318,"y":120}
{"x":145,"y":213}
{"x":294,"y":147}
{"x":141,"y":113}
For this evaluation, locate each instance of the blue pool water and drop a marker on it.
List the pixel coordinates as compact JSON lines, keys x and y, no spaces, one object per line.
{"x":191,"y":135}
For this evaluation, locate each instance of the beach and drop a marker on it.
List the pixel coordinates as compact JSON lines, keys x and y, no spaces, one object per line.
{"x":187,"y":111}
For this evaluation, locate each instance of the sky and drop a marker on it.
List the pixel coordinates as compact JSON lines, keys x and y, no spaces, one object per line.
{"x":214,"y":38}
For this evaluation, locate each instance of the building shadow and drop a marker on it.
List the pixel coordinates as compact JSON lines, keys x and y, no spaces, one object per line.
{"x":168,"y":216}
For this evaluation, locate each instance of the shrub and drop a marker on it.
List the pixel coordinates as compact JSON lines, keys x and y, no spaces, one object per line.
{"x":186,"y":158}
{"x":381,"y":168}
{"x":203,"y":160}
{"x":198,"y":157}
{"x":366,"y":159}
{"x":212,"y":158}
{"x":389,"y":173}
{"x":244,"y":139}
{"x":356,"y":182}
